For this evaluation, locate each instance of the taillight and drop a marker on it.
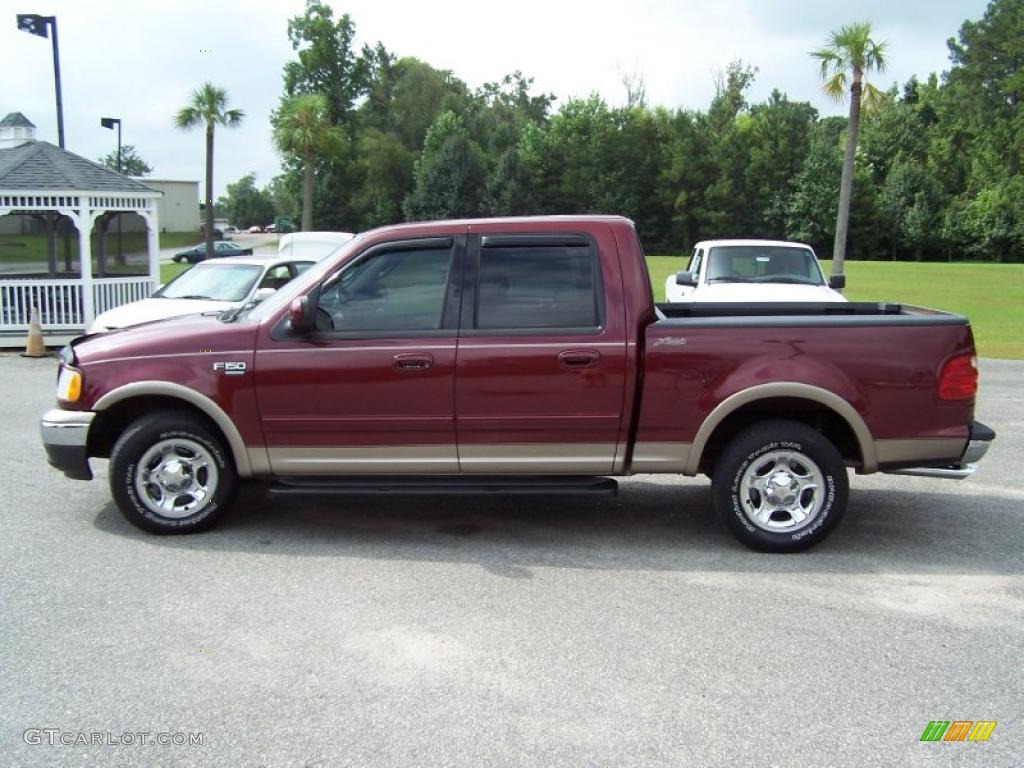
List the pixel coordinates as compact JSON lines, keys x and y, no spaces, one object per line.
{"x":959,"y":378}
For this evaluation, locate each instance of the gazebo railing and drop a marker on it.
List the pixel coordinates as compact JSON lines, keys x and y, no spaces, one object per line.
{"x":110,"y":292}
{"x":60,"y":303}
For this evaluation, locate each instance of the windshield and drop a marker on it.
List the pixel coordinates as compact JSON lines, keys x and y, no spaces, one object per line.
{"x":763,"y":264}
{"x":312,"y":275}
{"x":217,"y":281}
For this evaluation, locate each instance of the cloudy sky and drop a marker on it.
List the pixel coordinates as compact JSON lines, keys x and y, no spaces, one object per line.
{"x":140,"y":59}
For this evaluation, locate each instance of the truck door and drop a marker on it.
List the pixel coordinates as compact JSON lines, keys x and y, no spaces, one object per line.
{"x":371,"y":391}
{"x":541,"y":363}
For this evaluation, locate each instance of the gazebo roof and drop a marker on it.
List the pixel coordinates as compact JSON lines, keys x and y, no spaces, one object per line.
{"x":16,"y":120}
{"x":41,"y":166}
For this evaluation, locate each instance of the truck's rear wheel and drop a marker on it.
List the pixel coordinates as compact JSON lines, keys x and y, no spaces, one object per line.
{"x":170,"y":474}
{"x":780,"y":486}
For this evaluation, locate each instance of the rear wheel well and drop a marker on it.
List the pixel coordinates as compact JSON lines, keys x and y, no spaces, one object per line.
{"x":815,"y":415}
{"x":109,"y":424}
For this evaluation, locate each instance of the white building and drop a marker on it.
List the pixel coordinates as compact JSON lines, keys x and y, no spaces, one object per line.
{"x":178,"y":205}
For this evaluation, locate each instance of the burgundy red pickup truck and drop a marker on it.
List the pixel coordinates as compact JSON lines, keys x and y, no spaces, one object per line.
{"x":516,"y":356}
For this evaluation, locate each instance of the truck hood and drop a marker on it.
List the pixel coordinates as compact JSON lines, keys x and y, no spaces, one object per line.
{"x":148,"y":310}
{"x":192,"y":334}
{"x":751,"y":292}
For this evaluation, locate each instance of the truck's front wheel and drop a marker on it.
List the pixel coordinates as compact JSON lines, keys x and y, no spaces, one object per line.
{"x":170,"y":474}
{"x":780,"y":486}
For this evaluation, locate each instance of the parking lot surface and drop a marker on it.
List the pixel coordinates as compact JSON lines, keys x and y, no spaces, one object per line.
{"x":627,"y":631}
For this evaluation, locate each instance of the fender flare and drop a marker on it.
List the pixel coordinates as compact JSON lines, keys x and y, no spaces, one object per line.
{"x":792,"y":389}
{"x":169,"y":389}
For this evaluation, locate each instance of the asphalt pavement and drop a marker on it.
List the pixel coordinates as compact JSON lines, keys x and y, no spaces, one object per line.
{"x":629,"y":631}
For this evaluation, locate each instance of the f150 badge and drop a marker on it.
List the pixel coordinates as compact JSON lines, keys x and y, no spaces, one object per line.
{"x":230,"y":368}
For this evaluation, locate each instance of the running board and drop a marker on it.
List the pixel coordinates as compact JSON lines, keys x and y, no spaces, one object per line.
{"x":468,"y":485}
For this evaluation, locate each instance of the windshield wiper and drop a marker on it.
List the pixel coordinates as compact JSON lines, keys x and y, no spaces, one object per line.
{"x":230,"y":315}
{"x":728,"y":280}
{"x":195,"y":296}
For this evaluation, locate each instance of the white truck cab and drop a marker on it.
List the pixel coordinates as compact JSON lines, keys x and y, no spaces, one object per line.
{"x":752,"y":271}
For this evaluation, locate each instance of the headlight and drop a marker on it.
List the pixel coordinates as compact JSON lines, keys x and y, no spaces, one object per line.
{"x":66,"y":355}
{"x":69,"y":385}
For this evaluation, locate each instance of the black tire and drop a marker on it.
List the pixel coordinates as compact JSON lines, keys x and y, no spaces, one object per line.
{"x":191,"y":454}
{"x":795,"y":460}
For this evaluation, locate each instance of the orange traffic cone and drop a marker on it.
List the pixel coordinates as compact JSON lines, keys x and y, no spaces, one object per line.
{"x":35,"y":347}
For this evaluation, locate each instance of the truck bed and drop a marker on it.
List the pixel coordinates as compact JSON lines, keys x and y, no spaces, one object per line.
{"x":802,"y":313}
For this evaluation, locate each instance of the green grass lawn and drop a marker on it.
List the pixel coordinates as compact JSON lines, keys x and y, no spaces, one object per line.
{"x":32,"y":248}
{"x":991,"y":295}
{"x":170,"y":269}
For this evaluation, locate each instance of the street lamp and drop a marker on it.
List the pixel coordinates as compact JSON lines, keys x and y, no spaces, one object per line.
{"x":40,"y":26}
{"x":108,"y":122}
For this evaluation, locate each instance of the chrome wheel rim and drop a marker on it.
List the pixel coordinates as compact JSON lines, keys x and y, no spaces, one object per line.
{"x":782,"y":491}
{"x":176,"y":478}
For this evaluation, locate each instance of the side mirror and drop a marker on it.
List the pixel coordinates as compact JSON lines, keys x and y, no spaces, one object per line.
{"x":837,"y":282}
{"x":262,"y":294}
{"x":302,"y":312}
{"x":686,"y":278}
{"x":301,"y":315}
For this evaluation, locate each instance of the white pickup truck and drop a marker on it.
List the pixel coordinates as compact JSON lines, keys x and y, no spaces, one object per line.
{"x":752,"y":271}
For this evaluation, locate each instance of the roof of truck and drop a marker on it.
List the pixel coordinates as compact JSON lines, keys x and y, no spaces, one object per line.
{"x":499,"y":220}
{"x":772,"y":243}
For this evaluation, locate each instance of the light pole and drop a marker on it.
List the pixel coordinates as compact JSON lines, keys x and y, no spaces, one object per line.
{"x":108,"y":122}
{"x":38,"y":25}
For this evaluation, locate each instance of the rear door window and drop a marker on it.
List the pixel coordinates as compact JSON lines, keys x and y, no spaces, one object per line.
{"x":531,"y":284}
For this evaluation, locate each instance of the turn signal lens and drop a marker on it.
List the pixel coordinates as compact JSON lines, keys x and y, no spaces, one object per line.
{"x":959,"y":379}
{"x":69,"y":385}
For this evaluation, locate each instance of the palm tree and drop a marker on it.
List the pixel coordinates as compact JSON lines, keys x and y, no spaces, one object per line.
{"x":849,"y":54}
{"x":208,"y":106}
{"x":302,"y":127}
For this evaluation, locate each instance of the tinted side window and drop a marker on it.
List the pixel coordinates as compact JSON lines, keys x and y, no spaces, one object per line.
{"x":400,"y":290}
{"x":537,"y":286}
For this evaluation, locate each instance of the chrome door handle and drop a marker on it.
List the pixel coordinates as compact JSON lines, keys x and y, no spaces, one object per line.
{"x":413,"y":362}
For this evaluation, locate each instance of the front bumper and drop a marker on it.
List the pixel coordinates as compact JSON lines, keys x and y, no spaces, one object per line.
{"x":65,"y":437}
{"x":978,"y":441}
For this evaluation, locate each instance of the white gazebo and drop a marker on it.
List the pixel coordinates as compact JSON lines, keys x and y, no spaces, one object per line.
{"x":51,"y":184}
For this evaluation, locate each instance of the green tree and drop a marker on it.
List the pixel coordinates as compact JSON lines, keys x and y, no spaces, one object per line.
{"x":382,"y":177}
{"x":725,"y":209}
{"x":810,"y":216}
{"x":327,"y":62}
{"x":416,"y":95}
{"x":245,"y":204}
{"x":849,"y":55}
{"x":910,"y":206}
{"x":208,"y":107}
{"x":449,"y":173}
{"x":303,"y":128}
{"x":982,"y":146}
{"x":509,"y":189}
{"x":131,"y":163}
{"x":779,"y":136}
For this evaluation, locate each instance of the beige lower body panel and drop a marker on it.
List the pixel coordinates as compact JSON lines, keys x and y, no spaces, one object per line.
{"x":364,"y":460}
{"x":538,"y":459}
{"x":929,"y":449}
{"x":529,"y":458}
{"x":505,"y":459}
{"x":660,"y":457}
